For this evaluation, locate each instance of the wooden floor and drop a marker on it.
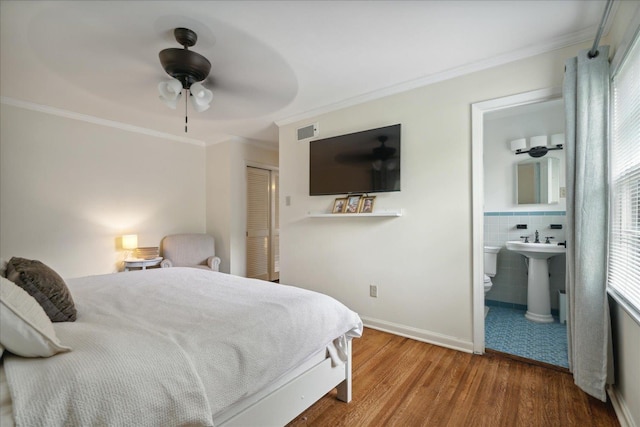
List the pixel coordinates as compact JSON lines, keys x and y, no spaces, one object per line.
{"x":401,"y":382}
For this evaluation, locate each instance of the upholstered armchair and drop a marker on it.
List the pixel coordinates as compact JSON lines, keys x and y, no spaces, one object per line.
{"x":190,"y":250}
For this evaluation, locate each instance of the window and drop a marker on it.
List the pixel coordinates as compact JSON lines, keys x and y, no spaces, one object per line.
{"x":624,"y":239}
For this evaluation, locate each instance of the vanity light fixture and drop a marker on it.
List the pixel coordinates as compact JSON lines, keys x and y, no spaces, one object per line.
{"x":538,"y":145}
{"x":557,"y":140}
{"x":518,"y":145}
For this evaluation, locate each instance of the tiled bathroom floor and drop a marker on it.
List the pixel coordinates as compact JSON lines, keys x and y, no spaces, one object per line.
{"x":508,"y":331}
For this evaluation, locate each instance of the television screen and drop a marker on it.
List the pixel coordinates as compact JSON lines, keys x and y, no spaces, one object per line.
{"x":361,"y":162}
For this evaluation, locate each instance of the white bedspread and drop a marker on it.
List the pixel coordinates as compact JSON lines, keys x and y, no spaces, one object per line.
{"x":171,"y":347}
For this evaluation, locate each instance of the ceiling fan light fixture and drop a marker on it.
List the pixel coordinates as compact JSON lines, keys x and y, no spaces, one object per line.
{"x":170,"y":92}
{"x":198,"y":106}
{"x":201,"y":97}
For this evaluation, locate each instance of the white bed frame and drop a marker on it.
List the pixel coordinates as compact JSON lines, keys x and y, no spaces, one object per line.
{"x":292,"y":394}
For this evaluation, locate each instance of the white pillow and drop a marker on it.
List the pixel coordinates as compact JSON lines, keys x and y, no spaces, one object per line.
{"x":25,"y":329}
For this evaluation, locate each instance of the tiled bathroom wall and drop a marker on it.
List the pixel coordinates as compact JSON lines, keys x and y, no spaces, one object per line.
{"x":510,"y":282}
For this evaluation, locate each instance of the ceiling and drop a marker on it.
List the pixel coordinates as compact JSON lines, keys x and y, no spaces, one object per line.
{"x":272,"y":61}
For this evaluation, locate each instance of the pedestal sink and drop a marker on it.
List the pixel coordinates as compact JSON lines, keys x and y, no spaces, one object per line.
{"x":538,"y":293}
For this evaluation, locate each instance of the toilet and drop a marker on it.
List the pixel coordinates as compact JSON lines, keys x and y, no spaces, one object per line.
{"x":490,"y":267}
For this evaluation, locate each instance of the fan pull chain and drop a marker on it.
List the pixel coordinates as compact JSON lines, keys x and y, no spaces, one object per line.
{"x":186,"y":119}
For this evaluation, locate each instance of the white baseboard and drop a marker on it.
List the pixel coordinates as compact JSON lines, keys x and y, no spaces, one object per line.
{"x":622,"y":410}
{"x":418,"y":334}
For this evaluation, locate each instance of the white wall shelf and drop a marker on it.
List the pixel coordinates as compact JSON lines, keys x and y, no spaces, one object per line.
{"x":380,"y":213}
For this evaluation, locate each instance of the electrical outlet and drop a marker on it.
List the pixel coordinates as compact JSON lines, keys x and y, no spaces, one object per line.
{"x":563,"y":192}
{"x":373,"y":291}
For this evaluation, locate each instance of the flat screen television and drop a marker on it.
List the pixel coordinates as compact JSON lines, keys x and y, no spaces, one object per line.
{"x":360,"y":162}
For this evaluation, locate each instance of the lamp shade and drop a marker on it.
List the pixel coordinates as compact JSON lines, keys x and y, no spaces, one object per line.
{"x":557,"y":139}
{"x":201,"y":97}
{"x":538,"y":141}
{"x":518,"y":144}
{"x":170,"y":92}
{"x":130,"y":241}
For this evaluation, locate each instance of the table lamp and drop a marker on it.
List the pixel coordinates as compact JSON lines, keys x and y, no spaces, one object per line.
{"x":129,"y":243}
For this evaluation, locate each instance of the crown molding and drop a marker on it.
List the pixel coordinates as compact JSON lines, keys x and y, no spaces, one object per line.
{"x":555,"y":44}
{"x":96,"y":120}
{"x":263,"y":145}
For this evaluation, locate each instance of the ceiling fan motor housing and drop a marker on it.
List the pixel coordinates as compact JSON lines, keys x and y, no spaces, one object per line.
{"x":183,"y":64}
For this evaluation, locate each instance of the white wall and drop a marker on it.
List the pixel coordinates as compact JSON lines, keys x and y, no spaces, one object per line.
{"x":421,"y":262}
{"x":227,"y":198}
{"x":219,"y":206}
{"x":626,"y":347}
{"x":80,"y":186}
{"x":69,"y":189}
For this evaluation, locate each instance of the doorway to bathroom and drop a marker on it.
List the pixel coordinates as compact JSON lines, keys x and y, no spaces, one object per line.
{"x":499,"y":217}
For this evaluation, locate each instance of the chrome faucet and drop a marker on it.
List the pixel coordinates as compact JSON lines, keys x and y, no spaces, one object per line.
{"x":537,"y":238}
{"x":526,"y":239}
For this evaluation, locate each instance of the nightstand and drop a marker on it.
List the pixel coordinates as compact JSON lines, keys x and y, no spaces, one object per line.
{"x":141,"y":263}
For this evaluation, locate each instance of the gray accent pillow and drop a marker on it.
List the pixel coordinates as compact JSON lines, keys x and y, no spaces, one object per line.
{"x":45,"y":285}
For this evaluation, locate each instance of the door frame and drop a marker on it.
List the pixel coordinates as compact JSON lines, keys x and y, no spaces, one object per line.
{"x":478,"y":110}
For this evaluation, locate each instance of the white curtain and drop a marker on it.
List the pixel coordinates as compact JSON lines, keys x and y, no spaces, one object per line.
{"x":586,"y":96}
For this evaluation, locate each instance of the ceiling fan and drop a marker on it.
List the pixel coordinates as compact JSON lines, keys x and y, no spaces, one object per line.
{"x":187,"y":69}
{"x":245,"y":77}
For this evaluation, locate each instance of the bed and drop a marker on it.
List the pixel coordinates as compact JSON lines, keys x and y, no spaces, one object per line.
{"x":184,"y":346}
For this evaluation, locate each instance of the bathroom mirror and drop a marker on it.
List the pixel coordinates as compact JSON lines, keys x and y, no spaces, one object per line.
{"x":538,"y":181}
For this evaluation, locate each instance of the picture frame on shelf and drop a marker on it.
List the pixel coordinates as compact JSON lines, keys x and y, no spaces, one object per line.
{"x":366,"y":204}
{"x":353,"y":204}
{"x":339,"y":204}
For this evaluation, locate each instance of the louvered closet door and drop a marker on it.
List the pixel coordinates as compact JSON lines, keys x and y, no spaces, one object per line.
{"x":258,"y":223}
{"x":274,"y":262}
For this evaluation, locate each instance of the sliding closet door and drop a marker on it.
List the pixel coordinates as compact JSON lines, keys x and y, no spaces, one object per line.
{"x":262,"y":224}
